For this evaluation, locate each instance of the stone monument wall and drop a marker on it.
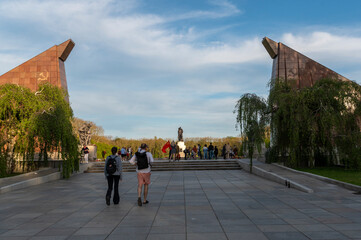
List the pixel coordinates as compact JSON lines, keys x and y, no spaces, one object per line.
{"x":294,"y":67}
{"x":48,"y":66}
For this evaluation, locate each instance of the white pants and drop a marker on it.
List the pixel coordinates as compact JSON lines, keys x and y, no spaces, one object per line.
{"x":86,"y":155}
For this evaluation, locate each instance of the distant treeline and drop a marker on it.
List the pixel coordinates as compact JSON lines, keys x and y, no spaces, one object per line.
{"x":155,"y":144}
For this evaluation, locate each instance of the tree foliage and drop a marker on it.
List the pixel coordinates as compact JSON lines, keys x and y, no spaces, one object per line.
{"x":317,"y":125}
{"x":36,"y":123}
{"x":252,"y":119}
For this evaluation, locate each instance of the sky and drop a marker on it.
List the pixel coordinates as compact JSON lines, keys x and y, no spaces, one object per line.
{"x":143,"y":68}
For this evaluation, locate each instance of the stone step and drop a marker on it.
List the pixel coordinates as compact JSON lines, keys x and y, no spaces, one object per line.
{"x":181,"y":162}
{"x":172,"y":169}
{"x":176,"y":166}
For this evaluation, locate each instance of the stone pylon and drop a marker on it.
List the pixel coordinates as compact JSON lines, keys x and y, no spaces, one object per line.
{"x":294,"y":67}
{"x":48,"y":66}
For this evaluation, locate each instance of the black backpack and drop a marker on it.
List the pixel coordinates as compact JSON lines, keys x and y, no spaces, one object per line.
{"x":111,"y":166}
{"x":142,"y":160}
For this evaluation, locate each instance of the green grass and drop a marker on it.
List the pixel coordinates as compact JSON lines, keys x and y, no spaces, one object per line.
{"x":349,"y":176}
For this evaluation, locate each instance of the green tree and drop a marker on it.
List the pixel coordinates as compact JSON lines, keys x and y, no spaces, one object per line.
{"x":318,"y":124}
{"x":252,"y":119}
{"x":36,"y":122}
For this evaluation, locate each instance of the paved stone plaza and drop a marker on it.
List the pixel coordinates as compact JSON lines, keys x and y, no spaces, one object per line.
{"x":224,"y":204}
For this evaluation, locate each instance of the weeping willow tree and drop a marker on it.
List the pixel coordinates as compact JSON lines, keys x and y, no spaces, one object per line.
{"x":252,"y":119}
{"x":318,"y":125}
{"x":36,"y":122}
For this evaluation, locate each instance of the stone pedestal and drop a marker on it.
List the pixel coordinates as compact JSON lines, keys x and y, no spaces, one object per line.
{"x":182,"y":147}
{"x":92,"y":152}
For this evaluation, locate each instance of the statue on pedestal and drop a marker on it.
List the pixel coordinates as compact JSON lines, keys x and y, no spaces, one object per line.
{"x":85,"y":134}
{"x":180,"y":134}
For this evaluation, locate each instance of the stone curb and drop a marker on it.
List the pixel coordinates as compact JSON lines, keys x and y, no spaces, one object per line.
{"x":348,"y":186}
{"x":31,"y":182}
{"x":274,"y":177}
{"x":40,"y":180}
{"x":25,"y":174}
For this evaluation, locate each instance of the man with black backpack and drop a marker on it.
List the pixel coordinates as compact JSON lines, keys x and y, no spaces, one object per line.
{"x":113,"y":173}
{"x":143,"y":160}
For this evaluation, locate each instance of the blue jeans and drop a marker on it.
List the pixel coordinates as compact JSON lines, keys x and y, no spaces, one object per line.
{"x":211,"y":154}
{"x":205,"y":152}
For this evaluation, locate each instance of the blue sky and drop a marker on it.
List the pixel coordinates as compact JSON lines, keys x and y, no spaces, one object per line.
{"x":142,"y":68}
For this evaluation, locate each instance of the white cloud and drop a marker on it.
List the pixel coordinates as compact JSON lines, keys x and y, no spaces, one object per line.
{"x":156,"y":112}
{"x":325,"y":45}
{"x":225,"y":9}
{"x":134,"y":34}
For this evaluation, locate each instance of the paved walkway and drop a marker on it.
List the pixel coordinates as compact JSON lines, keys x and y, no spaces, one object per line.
{"x":224,"y":204}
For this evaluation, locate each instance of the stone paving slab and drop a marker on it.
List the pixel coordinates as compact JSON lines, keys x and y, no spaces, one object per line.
{"x":41,"y":176}
{"x":224,"y":204}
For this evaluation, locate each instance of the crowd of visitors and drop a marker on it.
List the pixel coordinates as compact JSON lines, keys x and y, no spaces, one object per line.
{"x":125,"y":153}
{"x":206,"y":152}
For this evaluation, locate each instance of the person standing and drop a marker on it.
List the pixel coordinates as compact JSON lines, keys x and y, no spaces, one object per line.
{"x":205,"y":151}
{"x":85,"y":150}
{"x":123,"y":153}
{"x":215,"y":152}
{"x":235,"y":151}
{"x":143,"y":159}
{"x":228,"y":150}
{"x":186,"y":151}
{"x":194,"y":152}
{"x":113,"y":174}
{"x":129,"y":153}
{"x":177,"y":156}
{"x":199,"y":151}
{"x":224,"y":151}
{"x":211,"y":151}
{"x":173,"y":151}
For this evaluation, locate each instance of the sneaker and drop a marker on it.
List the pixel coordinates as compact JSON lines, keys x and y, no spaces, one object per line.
{"x":139,"y":202}
{"x":107,"y":200}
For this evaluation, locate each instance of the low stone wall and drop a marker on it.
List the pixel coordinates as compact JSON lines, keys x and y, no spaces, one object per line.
{"x":274,"y":177}
{"x":21,"y":183}
{"x":348,"y":186}
{"x":31,"y":182}
{"x":27,"y":166}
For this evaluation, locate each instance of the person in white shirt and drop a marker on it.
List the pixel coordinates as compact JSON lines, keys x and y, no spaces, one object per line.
{"x":143,"y":160}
